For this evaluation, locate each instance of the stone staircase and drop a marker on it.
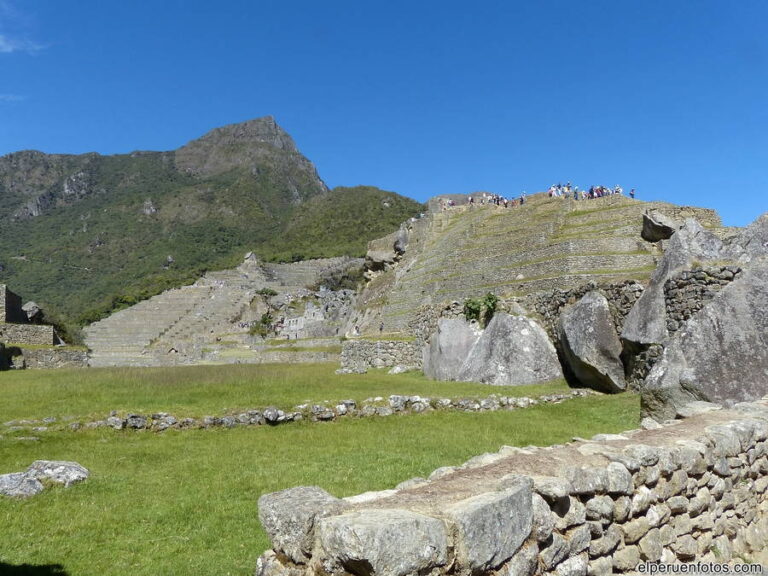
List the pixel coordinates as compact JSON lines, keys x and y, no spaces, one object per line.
{"x":181,"y":326}
{"x":123,"y":338}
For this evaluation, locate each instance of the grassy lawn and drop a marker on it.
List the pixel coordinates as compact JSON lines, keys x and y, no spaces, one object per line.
{"x":201,"y":390}
{"x":184,"y":502}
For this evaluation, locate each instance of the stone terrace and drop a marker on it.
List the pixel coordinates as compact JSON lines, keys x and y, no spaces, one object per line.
{"x":184,"y":320}
{"x":547,"y":243}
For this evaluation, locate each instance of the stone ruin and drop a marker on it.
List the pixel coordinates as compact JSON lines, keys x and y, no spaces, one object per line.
{"x":693,"y":490}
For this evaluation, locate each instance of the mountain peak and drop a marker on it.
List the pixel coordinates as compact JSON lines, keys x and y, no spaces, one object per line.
{"x":243,"y":145}
{"x":263,"y":130}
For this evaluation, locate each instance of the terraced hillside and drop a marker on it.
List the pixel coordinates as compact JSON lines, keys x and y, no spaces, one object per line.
{"x":192,"y":323}
{"x":547,"y":243}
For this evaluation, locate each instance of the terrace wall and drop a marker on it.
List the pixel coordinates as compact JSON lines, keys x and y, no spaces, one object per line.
{"x":692,"y":490}
{"x":29,"y":334}
{"x":360,"y":355}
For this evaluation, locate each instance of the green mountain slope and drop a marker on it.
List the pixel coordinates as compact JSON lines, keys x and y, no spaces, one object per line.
{"x":83,"y":235}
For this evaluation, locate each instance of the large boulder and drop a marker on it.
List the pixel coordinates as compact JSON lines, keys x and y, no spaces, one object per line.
{"x":591,"y":346}
{"x":752,"y":241}
{"x":657,"y":226}
{"x":646,"y":323}
{"x":721,"y":354}
{"x":449,"y":347}
{"x":512,"y":351}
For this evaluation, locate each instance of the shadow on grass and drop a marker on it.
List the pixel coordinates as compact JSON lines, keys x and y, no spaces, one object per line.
{"x":31,"y":570}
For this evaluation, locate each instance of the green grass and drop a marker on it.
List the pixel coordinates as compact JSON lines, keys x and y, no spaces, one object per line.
{"x":201,"y":390}
{"x":184,"y":502}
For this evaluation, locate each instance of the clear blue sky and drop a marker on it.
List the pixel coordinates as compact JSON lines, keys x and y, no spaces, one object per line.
{"x":419,"y":97}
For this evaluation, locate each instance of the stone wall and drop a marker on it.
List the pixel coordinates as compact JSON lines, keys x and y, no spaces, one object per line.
{"x":548,"y":305}
{"x":57,"y":357}
{"x":10,"y":306}
{"x":692,"y":490}
{"x":358,"y":355}
{"x":686,"y":293}
{"x":29,"y":334}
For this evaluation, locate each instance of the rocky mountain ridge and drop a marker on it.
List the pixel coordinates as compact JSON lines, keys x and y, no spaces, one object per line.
{"x":87,"y":234}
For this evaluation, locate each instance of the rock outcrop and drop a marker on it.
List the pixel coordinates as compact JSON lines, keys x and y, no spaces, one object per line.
{"x":646,"y":322}
{"x":590,"y":344}
{"x":721,"y":353}
{"x":513,"y":350}
{"x":31,"y":481}
{"x":657,"y":226}
{"x":449,"y":348}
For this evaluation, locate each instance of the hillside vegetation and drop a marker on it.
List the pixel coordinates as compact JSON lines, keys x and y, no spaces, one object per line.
{"x":85,"y":235}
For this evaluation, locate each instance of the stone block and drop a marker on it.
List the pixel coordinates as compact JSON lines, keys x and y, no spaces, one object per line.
{"x":554,"y":552}
{"x":543,"y":519}
{"x":383,"y":542}
{"x":578,"y":539}
{"x":587,"y":481}
{"x":651,"y":546}
{"x":573,"y":566}
{"x":626,"y":559}
{"x":619,"y":479}
{"x":635,"y":529}
{"x":608,"y":543}
{"x":523,"y":563}
{"x":289,"y":517}
{"x":491,"y":527}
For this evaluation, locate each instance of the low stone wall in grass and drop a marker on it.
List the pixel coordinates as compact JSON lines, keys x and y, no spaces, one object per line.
{"x":691,"y":490}
{"x":359,"y":355}
{"x":55,"y":357}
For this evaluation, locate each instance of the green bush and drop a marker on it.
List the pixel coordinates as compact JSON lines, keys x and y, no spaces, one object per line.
{"x":481,"y":309}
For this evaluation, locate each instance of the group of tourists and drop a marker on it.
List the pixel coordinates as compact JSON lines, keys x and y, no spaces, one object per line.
{"x":569,"y":191}
{"x":555,"y":191}
{"x":496,"y":200}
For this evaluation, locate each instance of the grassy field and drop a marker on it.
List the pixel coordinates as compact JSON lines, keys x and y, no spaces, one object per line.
{"x":200,"y":390}
{"x":184,"y":502}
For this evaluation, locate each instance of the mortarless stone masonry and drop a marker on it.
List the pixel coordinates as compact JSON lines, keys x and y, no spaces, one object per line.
{"x":692,"y":490}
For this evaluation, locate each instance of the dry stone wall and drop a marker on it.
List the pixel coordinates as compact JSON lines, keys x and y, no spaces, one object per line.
{"x":688,"y":491}
{"x":10,"y":306}
{"x":58,"y":357}
{"x":548,"y":305}
{"x":686,"y":293}
{"x":358,"y":355}
{"x":29,"y":334}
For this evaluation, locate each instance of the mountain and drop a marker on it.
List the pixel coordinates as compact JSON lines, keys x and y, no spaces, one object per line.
{"x":86,"y":234}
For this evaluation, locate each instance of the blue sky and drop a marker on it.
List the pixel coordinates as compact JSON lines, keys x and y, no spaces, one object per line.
{"x":422,"y":98}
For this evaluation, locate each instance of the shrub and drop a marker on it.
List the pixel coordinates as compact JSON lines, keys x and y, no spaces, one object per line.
{"x":481,"y":309}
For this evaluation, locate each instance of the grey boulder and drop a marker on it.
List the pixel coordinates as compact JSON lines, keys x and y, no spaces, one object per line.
{"x":720,"y":356}
{"x":591,"y":346}
{"x":657,"y":226}
{"x":752,"y":241}
{"x":646,"y":322}
{"x":58,"y":471}
{"x":19,"y":485}
{"x":512,"y":351}
{"x":449,"y":347}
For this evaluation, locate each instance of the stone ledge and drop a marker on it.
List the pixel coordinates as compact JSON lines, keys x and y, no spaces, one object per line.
{"x":692,"y":489}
